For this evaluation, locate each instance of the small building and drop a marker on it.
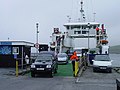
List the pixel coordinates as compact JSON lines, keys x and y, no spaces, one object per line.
{"x":43,"y":47}
{"x":10,"y":51}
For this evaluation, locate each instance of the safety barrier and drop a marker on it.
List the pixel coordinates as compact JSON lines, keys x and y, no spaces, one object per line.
{"x":118,"y":84}
{"x":21,"y":68}
{"x":80,"y":66}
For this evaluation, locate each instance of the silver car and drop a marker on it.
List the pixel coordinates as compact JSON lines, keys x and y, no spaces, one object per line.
{"x":62,"y":58}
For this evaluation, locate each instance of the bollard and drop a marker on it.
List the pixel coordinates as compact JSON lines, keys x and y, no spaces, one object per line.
{"x":76,"y":68}
{"x":16,"y":68}
{"x":118,"y":84}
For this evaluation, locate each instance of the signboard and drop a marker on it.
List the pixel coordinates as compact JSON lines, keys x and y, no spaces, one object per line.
{"x":5,"y":50}
{"x":15,"y":50}
{"x":56,"y":30}
{"x":5,"y":43}
{"x":15,"y":56}
{"x":37,"y":45}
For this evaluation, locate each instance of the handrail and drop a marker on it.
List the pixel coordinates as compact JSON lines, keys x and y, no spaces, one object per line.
{"x":80,"y":66}
{"x":118,"y":84}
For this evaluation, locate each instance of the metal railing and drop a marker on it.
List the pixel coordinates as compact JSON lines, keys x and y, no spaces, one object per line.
{"x":80,"y":66}
{"x":118,"y":84}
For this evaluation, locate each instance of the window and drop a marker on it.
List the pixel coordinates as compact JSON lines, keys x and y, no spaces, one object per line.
{"x":84,"y":32}
{"x":77,"y":32}
{"x":94,"y":27}
{"x":15,"y":50}
{"x":68,"y":27}
{"x":82,"y":27}
{"x":5,"y":50}
{"x":75,"y":27}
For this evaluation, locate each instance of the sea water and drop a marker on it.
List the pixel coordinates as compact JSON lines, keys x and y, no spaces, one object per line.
{"x":116,"y":60}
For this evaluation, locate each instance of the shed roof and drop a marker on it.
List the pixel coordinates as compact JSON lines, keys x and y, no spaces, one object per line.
{"x":25,"y":43}
{"x":81,"y":23}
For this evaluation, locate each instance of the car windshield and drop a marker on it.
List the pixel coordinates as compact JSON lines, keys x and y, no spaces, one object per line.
{"x":102,"y":58}
{"x":61,"y":55}
{"x":46,"y":58}
{"x":78,"y":50}
{"x":48,"y":52}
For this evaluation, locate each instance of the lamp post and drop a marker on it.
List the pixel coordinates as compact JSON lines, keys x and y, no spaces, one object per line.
{"x":88,"y":39}
{"x":88,"y":35}
{"x":37,"y":45}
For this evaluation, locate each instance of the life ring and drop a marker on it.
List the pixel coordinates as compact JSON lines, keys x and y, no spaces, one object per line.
{"x":103,"y":41}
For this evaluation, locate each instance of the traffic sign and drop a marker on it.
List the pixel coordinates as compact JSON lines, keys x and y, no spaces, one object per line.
{"x":37,"y":45}
{"x":15,"y":56}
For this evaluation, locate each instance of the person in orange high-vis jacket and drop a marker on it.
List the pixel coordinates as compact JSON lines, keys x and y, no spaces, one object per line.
{"x":73,"y":58}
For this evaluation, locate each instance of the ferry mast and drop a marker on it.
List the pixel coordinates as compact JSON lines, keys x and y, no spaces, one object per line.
{"x":82,"y":12}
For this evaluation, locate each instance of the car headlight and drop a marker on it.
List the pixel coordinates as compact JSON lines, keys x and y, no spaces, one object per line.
{"x":32,"y":66}
{"x":48,"y":66}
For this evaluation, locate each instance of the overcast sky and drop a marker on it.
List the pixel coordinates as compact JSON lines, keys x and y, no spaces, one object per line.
{"x":18,"y":17}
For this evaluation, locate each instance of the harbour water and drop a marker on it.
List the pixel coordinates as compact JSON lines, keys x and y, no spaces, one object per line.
{"x":116,"y":60}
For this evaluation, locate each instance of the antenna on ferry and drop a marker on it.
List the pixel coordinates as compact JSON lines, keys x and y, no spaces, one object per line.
{"x":94,"y":17}
{"x":82,"y":11}
{"x":69,"y":18}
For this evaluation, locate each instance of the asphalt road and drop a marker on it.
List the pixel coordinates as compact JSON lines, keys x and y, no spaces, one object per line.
{"x":88,"y":81}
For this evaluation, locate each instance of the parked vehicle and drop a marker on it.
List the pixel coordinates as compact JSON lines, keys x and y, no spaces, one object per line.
{"x":62,"y":58}
{"x":49,"y":52}
{"x":102,"y":62}
{"x":78,"y":51}
{"x":44,"y":63}
{"x":70,"y":53}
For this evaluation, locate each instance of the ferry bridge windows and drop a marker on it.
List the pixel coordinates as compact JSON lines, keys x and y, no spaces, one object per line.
{"x":84,"y":26}
{"x":81,"y":27}
{"x":80,"y":32}
{"x":84,"y":32}
{"x":94,"y":27}
{"x":77,"y":32}
{"x":75,"y":27}
{"x":68,"y":27}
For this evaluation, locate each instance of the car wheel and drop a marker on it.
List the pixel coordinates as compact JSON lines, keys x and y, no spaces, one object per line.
{"x":55,"y":71}
{"x":66,"y":62}
{"x":32,"y":74}
{"x":94,"y":70}
{"x":51,"y":74}
{"x":110,"y":71}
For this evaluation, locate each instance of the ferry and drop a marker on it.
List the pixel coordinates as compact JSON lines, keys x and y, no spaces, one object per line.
{"x":64,"y":41}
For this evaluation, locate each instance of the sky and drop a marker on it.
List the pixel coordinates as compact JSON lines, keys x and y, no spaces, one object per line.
{"x":18,"y":18}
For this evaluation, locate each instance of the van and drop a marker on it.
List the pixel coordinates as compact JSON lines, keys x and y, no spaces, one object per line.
{"x":102,"y":62}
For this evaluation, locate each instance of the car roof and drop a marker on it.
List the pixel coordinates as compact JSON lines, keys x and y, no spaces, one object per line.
{"x":47,"y":52}
{"x":62,"y":54}
{"x":42,"y":54}
{"x":101,"y":55}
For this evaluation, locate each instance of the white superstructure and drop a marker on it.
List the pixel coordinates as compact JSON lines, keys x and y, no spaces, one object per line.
{"x":88,"y":32}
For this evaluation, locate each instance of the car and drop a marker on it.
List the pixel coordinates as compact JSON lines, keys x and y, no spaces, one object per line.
{"x":44,"y":63}
{"x":62,"y":58}
{"x":70,"y":53}
{"x":78,"y":51}
{"x":102,"y":63}
{"x":49,"y":52}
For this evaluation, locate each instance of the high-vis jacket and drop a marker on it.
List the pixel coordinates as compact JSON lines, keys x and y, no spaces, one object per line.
{"x":74,"y":56}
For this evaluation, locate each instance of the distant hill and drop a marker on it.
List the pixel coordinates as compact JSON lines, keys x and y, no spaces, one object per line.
{"x":115,"y":49}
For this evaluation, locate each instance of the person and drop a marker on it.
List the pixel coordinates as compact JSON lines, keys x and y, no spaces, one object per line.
{"x":27,"y":59}
{"x":73,"y":58}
